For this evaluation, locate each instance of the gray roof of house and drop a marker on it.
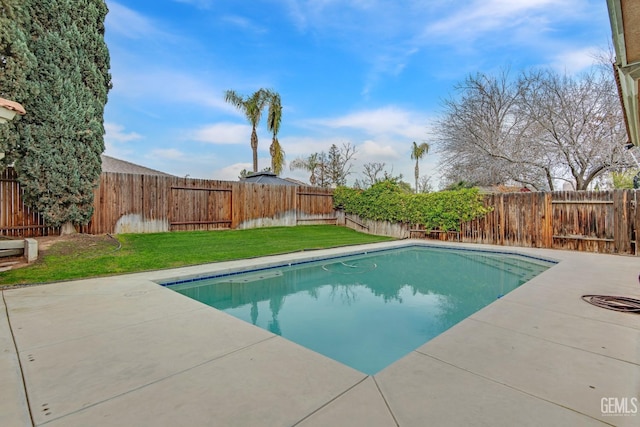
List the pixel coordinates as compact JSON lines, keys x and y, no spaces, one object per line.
{"x":111,"y":164}
{"x":268,"y":178}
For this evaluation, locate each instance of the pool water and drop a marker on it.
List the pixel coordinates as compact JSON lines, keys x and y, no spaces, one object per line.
{"x":367,"y":310}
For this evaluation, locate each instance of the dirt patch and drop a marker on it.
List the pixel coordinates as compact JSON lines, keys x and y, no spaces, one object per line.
{"x":73,"y":245}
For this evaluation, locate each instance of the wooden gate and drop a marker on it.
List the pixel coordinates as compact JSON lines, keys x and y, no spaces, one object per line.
{"x":200,"y":208}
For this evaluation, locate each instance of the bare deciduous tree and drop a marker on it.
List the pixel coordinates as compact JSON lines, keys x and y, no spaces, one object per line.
{"x":534,"y":130}
{"x":578,"y":122}
{"x":340,"y":163}
{"x":328,"y":170}
{"x":370,"y":174}
{"x":424,"y":184}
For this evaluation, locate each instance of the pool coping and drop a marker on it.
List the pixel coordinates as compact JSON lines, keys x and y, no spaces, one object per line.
{"x":537,"y":355}
{"x":178,"y":280}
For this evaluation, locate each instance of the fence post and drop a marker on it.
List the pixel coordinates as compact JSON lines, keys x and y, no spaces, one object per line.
{"x":501,"y":219}
{"x":547,"y":221}
{"x":621,"y":223}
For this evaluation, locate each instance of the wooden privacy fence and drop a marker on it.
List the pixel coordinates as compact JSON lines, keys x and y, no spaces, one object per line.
{"x":16,"y":218}
{"x":592,"y":221}
{"x":598,"y":221}
{"x":127,"y":203}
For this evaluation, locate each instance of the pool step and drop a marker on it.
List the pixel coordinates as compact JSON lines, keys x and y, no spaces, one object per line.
{"x":525,"y":272}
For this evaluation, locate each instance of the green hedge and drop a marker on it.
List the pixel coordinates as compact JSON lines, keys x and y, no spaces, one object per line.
{"x":385,"y":201}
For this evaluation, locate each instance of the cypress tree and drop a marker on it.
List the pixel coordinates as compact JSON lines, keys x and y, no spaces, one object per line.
{"x":61,"y":137}
{"x":16,"y":62}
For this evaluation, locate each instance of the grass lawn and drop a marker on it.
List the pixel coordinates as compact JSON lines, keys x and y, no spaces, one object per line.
{"x":91,"y":256}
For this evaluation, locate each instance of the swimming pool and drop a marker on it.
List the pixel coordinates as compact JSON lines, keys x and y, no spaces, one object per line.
{"x":370,"y":309}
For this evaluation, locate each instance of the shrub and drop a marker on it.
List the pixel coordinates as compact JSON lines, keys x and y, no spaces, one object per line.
{"x":385,"y":201}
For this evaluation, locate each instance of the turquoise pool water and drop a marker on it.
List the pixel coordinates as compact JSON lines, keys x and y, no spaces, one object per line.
{"x":367,"y":310}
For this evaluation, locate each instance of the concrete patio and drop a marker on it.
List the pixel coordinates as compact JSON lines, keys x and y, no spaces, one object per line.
{"x":124,"y":351}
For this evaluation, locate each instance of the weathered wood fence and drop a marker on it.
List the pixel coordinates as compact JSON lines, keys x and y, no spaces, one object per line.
{"x":598,"y":221}
{"x":592,"y":221}
{"x":127,"y":203}
{"x":16,"y":218}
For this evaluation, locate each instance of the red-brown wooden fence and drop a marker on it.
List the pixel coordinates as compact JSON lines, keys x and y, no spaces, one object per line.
{"x":592,"y":221}
{"x":16,"y":218}
{"x":150,"y":203}
{"x":597,"y":221}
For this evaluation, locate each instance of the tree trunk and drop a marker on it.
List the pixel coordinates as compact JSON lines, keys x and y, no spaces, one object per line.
{"x":67,"y":228}
{"x":254,"y":148}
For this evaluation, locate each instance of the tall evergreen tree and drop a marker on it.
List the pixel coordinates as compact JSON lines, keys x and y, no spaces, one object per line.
{"x":16,"y":62}
{"x":62,"y":136}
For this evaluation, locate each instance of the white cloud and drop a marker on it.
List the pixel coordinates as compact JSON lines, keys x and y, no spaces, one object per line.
{"x":231,"y":172}
{"x":114,"y":133}
{"x":376,"y":150}
{"x":573,"y":61}
{"x":303,"y":146}
{"x":177,"y":162}
{"x":387,"y":121}
{"x":170,"y":87}
{"x":116,"y":139}
{"x":483,"y":16}
{"x":391,"y":62}
{"x":244,"y":24}
{"x":156,"y":64}
{"x":200,"y":4}
{"x":130,"y":24}
{"x":329,"y":15}
{"x":223,"y":133}
{"x":166,"y":153}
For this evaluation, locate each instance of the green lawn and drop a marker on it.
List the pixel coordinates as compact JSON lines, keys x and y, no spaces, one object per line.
{"x":143,"y":252}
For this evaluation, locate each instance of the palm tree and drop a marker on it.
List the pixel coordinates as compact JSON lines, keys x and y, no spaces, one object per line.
{"x":252,"y":107}
{"x":417,"y":153}
{"x":274,"y":117}
{"x":310,"y":164}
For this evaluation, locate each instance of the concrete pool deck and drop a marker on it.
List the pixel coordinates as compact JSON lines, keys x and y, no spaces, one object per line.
{"x":124,"y":351}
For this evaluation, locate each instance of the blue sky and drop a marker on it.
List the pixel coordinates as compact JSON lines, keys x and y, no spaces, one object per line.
{"x":372,"y":73}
